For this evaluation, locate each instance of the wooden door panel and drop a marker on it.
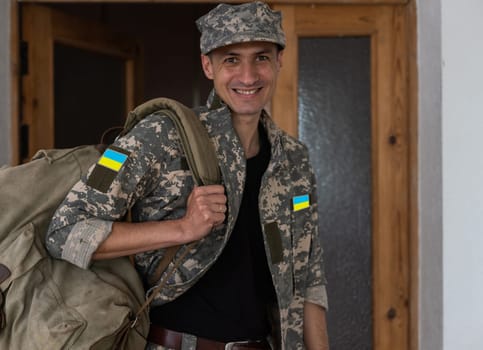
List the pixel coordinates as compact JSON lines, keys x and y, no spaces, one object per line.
{"x":43,"y":29}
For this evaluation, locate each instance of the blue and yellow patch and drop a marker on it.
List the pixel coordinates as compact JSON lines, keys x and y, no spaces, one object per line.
{"x":301,"y":202}
{"x":112,"y":159}
{"x":107,"y":168}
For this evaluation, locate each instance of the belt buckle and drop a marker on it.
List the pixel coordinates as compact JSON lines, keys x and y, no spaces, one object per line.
{"x":231,"y":345}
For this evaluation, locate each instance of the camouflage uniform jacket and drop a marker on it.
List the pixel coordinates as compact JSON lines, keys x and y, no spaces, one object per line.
{"x":156,"y":185}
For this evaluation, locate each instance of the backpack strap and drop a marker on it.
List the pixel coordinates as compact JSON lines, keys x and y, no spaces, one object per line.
{"x":196,"y":143}
{"x":201,"y":159}
{"x":163,"y":264}
{"x":166,"y":260}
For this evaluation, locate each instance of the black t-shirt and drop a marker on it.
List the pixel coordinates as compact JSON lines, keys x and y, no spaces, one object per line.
{"x":230,"y":302}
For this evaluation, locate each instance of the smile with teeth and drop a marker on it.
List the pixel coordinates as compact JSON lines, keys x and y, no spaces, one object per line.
{"x":246,"y":92}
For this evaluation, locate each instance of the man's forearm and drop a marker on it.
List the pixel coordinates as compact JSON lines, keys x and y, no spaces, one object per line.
{"x":206,"y":209}
{"x":315,"y":327}
{"x":131,"y":238}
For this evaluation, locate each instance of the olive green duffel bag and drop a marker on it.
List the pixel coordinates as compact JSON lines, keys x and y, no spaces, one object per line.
{"x":51,"y":304}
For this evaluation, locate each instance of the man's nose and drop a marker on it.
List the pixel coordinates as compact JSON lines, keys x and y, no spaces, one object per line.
{"x":249,"y":74}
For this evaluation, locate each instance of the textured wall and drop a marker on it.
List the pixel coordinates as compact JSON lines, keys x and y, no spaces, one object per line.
{"x":335,"y":124}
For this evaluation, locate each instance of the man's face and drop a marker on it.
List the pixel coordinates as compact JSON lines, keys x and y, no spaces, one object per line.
{"x":244,"y":75}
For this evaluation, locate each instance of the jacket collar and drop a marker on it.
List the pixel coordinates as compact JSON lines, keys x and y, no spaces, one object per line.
{"x":217,"y":118}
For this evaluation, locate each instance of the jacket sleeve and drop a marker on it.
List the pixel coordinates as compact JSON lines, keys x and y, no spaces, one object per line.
{"x":315,"y":288}
{"x":84,"y":219}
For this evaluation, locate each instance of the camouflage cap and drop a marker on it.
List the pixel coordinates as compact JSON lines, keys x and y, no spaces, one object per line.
{"x":233,"y":24}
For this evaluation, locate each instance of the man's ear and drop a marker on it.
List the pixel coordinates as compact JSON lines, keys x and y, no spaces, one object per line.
{"x":280,"y":59}
{"x":207,"y":66}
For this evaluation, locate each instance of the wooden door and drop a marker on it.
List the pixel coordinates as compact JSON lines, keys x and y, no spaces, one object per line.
{"x":354,"y":53}
{"x":78,"y":79}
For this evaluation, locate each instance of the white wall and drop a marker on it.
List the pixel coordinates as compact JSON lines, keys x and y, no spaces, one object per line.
{"x":462,"y":52}
{"x":5,"y":97}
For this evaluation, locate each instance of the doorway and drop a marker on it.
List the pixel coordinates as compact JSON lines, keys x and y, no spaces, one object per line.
{"x":89,"y":64}
{"x":370,"y":142}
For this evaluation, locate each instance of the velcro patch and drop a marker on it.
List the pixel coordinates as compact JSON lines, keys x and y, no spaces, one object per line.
{"x":274,"y":241}
{"x":107,"y":168}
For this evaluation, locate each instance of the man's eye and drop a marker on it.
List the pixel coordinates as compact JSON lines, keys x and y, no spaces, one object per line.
{"x":231,"y":60}
{"x":263,"y":58}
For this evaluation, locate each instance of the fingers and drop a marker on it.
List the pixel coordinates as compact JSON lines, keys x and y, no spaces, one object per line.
{"x":218,"y":208}
{"x":217,"y":219}
{"x":210,"y":189}
{"x":206,"y":209}
{"x":210,"y":198}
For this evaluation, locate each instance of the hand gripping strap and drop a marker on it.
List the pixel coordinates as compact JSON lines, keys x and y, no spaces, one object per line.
{"x":202,"y":161}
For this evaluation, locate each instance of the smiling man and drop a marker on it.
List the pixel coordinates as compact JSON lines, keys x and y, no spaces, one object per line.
{"x":255,"y":277}
{"x":271,"y":264}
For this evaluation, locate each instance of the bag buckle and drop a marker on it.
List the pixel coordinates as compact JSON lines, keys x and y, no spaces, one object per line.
{"x":134,"y":322}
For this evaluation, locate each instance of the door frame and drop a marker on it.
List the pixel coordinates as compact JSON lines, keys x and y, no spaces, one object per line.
{"x":42,"y":28}
{"x":407,"y":11}
{"x":386,"y":28}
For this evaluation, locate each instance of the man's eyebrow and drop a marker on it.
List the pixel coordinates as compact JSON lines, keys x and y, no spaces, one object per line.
{"x":260,"y":52}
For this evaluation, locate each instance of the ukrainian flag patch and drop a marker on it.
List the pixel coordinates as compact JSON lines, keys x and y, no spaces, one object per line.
{"x":113,"y":159}
{"x":107,"y":168}
{"x":301,"y":202}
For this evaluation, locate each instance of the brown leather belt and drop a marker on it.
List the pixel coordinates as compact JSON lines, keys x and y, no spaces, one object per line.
{"x":172,"y":340}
